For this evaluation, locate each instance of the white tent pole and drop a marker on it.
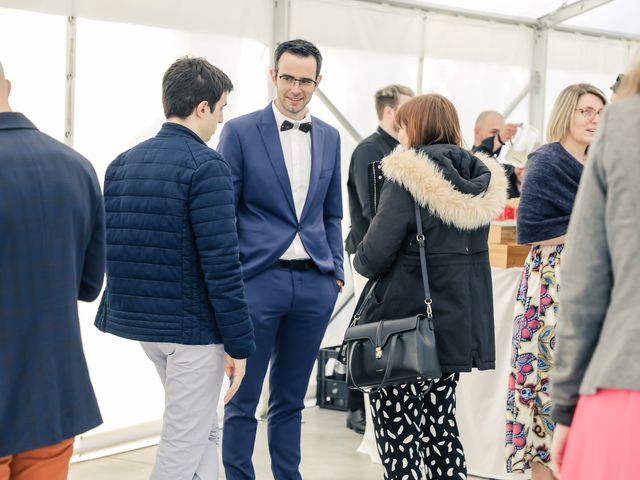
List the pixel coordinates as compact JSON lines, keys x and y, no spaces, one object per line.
{"x":339,"y":116}
{"x":423,"y":47}
{"x":516,"y":101}
{"x":567,"y":12}
{"x":281,"y":30}
{"x":538,"y":78}
{"x":70,"y":82}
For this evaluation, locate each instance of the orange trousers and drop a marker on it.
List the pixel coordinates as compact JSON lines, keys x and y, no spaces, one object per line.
{"x":46,"y":463}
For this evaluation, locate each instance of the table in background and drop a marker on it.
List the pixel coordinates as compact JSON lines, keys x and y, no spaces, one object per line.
{"x":482,"y":395}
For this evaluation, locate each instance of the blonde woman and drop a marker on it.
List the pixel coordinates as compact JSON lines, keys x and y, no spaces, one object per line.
{"x":596,"y":385}
{"x":548,"y":192}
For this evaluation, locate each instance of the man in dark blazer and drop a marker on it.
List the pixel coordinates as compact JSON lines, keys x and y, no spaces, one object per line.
{"x":286,"y":170}
{"x":52,"y":254}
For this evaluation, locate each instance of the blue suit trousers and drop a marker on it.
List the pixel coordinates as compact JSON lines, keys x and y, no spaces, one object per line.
{"x":290,"y":311}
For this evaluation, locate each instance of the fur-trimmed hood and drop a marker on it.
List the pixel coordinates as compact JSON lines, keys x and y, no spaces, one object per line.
{"x":464,"y":190}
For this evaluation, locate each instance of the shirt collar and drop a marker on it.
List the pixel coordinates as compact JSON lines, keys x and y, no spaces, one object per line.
{"x":281,"y":118}
{"x":389,"y":140}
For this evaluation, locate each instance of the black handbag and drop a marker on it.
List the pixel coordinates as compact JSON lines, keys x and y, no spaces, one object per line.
{"x":394,"y":351}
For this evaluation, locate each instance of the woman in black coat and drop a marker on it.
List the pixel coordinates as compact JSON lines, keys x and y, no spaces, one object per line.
{"x":458,"y":194}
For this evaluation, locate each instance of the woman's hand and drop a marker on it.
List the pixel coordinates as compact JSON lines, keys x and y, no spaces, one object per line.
{"x":560,"y":435}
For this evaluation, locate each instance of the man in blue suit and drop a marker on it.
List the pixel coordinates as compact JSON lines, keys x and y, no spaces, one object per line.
{"x":52,"y":254}
{"x":285,"y":166}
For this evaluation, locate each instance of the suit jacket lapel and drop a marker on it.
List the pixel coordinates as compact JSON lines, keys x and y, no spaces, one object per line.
{"x":317,"y":144}
{"x":271,"y":139}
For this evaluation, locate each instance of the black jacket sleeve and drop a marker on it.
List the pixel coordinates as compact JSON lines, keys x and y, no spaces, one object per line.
{"x":362,"y":156}
{"x":383,"y":241}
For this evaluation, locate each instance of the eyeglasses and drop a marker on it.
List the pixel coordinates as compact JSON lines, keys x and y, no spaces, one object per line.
{"x":305,"y":83}
{"x":588,"y":113}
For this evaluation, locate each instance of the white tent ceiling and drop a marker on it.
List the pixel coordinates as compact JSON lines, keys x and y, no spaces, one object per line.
{"x":615,"y":16}
{"x":621,"y":16}
{"x":611,"y":17}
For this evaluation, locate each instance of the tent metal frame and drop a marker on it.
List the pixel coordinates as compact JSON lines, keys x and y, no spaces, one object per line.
{"x":552,"y":20}
{"x":535,"y":89}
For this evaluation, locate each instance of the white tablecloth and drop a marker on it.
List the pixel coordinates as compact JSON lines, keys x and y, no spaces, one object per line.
{"x":481,"y":396}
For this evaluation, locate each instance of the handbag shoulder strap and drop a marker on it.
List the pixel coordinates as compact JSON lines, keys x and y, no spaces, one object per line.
{"x":425,"y":283}
{"x":423,"y":269}
{"x":423,"y":261}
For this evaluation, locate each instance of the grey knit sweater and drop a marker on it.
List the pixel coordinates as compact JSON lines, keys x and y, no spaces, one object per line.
{"x":598,"y":333}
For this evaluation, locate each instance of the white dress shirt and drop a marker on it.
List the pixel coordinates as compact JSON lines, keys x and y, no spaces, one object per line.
{"x":296,"y":149}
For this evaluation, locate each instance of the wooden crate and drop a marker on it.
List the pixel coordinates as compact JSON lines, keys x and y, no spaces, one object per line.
{"x":507,"y":256}
{"x":505,"y":234}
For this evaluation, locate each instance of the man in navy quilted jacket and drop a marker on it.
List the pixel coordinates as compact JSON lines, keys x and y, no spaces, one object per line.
{"x":173,"y":271}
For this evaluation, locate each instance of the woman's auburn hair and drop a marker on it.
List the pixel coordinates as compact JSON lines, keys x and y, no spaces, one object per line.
{"x":565,"y":106}
{"x":429,"y":120}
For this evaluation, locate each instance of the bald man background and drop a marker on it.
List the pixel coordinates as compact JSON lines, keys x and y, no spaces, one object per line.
{"x":52,"y":254}
{"x":490,"y":133}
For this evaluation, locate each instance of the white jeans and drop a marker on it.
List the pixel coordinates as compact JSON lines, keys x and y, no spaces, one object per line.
{"x":192,"y":378}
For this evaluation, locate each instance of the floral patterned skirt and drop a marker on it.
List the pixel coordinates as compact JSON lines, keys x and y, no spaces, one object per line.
{"x":529,"y":427}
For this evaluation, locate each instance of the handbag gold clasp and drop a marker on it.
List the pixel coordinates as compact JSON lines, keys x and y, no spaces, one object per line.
{"x":429,"y":309}
{"x":378,"y":352}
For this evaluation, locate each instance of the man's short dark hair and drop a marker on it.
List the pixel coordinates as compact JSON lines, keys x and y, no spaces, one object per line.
{"x":299,"y":48}
{"x":190,"y":81}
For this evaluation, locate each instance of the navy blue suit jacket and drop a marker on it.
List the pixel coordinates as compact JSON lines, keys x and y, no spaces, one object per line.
{"x":267,"y":221}
{"x":52,"y":254}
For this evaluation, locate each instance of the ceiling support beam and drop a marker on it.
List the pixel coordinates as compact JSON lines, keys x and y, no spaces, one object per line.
{"x":502,"y":19}
{"x":567,"y":12}
{"x":516,"y":101}
{"x":335,"y":111}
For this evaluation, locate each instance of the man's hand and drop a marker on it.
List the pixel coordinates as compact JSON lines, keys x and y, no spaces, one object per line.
{"x":505,"y":134}
{"x":340,"y":284}
{"x":509,"y":131}
{"x":234,"y":368}
{"x":560,"y":435}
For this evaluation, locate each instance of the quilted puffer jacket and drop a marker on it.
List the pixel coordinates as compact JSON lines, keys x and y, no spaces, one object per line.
{"x":173,"y":268}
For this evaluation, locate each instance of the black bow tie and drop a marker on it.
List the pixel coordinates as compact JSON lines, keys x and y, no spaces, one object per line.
{"x":304,"y":127}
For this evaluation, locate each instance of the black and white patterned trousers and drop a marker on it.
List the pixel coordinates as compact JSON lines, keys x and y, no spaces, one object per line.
{"x":418,"y":437}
